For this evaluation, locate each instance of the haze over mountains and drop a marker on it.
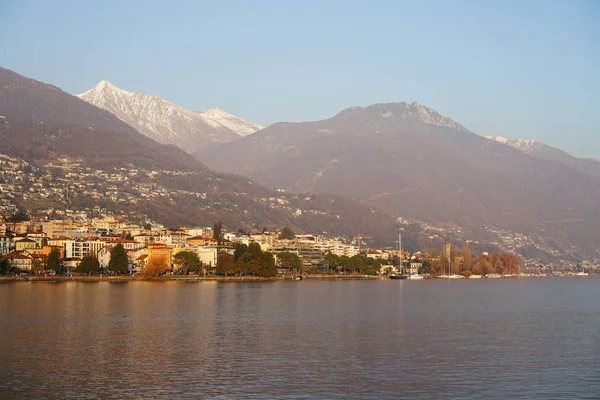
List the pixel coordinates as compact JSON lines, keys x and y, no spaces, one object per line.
{"x":166,"y":122}
{"x":409,"y":160}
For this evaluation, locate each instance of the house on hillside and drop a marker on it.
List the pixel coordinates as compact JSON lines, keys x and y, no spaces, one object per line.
{"x":200,"y":240}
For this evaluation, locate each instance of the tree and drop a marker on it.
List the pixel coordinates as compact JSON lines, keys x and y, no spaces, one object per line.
{"x":483,"y":266}
{"x":19,"y":216}
{"x":225,"y":264}
{"x":4,"y":266}
{"x":148,"y":227}
{"x":129,"y":236}
{"x":155,"y":267}
{"x":287,"y":233}
{"x":468,"y":258}
{"x":88,"y":265}
{"x":218,"y":232}
{"x":187,"y":261}
{"x":267,"y":265}
{"x":118,"y":262}
{"x":290,"y":261}
{"x":54,"y":262}
{"x":331,"y":260}
{"x":36,"y":266}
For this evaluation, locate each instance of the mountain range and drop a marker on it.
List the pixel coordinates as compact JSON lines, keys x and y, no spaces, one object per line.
{"x":166,"y":122}
{"x":41,"y":123}
{"x":404,"y":159}
{"x":409,"y":160}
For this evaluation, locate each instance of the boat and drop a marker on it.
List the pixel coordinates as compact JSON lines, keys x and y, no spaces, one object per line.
{"x":582,"y":273}
{"x":451,"y":276}
{"x":475,"y":276}
{"x":400,"y":274}
{"x":415,"y":277}
{"x":493,"y":276}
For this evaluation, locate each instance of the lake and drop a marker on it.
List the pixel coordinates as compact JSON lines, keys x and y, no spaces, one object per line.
{"x":432,"y":339}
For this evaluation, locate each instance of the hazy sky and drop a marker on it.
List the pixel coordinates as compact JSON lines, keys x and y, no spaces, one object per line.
{"x":513,"y":68}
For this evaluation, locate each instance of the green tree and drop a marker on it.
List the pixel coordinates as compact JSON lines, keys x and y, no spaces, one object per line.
{"x":287,"y":233}
{"x":54,"y":262}
{"x":331,"y":260}
{"x":118,"y":262}
{"x":129,"y":236}
{"x":290,"y":261}
{"x":267,"y":266}
{"x":88,"y":264}
{"x":239,"y":249}
{"x":148,"y":227}
{"x":187,"y":261}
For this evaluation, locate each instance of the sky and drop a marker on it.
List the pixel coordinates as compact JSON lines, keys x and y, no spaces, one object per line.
{"x":528,"y":69}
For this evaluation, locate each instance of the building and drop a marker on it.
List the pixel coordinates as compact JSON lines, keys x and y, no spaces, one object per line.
{"x":5,"y":243}
{"x":201,"y":240}
{"x":20,"y":259}
{"x":414,"y":267}
{"x":25,"y":244}
{"x":160,"y":251}
{"x":208,"y":256}
{"x":81,"y":247}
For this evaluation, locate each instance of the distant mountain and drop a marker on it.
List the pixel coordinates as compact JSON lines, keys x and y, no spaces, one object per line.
{"x":541,"y":150}
{"x":409,"y":160}
{"x":41,"y":123}
{"x":166,"y":122}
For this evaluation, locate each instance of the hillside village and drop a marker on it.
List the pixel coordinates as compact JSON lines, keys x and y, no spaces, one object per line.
{"x":60,"y":196}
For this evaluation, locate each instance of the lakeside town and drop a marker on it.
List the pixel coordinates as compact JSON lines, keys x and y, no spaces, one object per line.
{"x":111,"y":245}
{"x":79,"y":231}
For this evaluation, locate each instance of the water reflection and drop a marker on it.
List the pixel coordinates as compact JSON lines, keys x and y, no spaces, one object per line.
{"x":386,"y":339}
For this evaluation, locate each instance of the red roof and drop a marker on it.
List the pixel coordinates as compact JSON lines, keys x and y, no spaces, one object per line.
{"x":200,"y":237}
{"x":17,"y":255}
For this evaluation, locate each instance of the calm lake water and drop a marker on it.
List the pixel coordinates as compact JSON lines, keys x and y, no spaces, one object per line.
{"x":514,"y":338}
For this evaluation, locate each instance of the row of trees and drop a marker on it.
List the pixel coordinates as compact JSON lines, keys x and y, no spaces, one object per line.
{"x":358,"y":263}
{"x":247,"y":260}
{"x":500,"y":263}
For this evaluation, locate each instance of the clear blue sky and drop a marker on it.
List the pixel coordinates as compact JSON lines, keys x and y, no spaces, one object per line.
{"x":514,"y":68}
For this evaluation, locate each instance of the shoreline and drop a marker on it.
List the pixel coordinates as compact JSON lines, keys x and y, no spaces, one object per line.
{"x":171,"y":278}
{"x":194,"y":278}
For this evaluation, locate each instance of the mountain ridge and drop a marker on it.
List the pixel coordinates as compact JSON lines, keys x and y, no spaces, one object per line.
{"x":166,"y":122}
{"x":41,"y":123}
{"x":407,"y":159}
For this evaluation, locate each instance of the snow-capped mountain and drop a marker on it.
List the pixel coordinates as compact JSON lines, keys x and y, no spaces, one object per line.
{"x":166,"y":122}
{"x":538,"y":149}
{"x":528,"y":146}
{"x":217,"y":117}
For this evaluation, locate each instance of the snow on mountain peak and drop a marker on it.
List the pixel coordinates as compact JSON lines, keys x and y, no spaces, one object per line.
{"x":528,"y":146}
{"x":219,"y":118}
{"x":166,"y":122}
{"x":431,"y":116}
